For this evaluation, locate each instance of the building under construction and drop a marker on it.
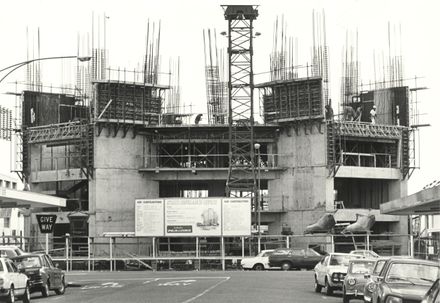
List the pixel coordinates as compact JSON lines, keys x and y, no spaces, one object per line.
{"x":122,"y":145}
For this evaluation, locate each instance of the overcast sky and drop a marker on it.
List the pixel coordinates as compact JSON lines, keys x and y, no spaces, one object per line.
{"x":182,"y":25}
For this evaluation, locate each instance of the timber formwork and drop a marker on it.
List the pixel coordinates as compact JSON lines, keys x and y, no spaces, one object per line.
{"x":123,"y":105}
{"x":292,"y":100}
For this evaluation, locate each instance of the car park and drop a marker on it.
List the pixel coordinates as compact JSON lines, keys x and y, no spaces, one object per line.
{"x":331,"y":271}
{"x":13,"y":284}
{"x":43,"y":275}
{"x":433,"y":294}
{"x":404,"y":280}
{"x":259,"y":262}
{"x":9,"y":251}
{"x":357,"y":275}
{"x":294,"y":258}
{"x":365,"y":253}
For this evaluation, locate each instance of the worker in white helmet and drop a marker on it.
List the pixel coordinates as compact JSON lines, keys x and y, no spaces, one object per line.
{"x":373,"y":115}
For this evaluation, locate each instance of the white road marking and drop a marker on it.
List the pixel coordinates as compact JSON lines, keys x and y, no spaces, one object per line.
{"x":143,"y":278}
{"x":103,"y":285}
{"x":206,"y":291}
{"x":177,"y":283}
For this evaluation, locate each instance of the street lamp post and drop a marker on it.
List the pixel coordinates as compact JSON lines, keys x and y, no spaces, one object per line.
{"x":16,"y":66}
{"x":258,"y":195}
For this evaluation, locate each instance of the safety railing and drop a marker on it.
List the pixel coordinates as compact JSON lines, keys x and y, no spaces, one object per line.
{"x":183,"y":253}
{"x":204,"y":161}
{"x":365,"y":159}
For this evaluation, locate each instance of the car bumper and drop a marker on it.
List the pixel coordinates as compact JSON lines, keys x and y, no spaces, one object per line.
{"x":4,"y":292}
{"x":336,"y":285}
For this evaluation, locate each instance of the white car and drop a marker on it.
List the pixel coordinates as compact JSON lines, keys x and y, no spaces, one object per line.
{"x":331,"y":271}
{"x":369,"y":254}
{"x":13,"y":284}
{"x":10,"y":251}
{"x":259,"y":262}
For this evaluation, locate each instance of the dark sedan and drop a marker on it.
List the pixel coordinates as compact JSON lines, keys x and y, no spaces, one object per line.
{"x":433,"y":294}
{"x":288,"y":258}
{"x":404,"y":280}
{"x":43,"y":274}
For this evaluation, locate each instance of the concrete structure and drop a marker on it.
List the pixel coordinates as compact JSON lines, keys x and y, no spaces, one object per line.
{"x":309,"y":165}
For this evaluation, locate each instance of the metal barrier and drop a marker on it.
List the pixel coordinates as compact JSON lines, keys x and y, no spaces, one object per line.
{"x":194,"y":253}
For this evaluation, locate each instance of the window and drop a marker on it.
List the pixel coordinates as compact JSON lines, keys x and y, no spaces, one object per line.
{"x":1,"y":267}
{"x":298,"y":252}
{"x":14,"y":185}
{"x":6,"y":222}
{"x":11,"y":267}
{"x":49,"y":261}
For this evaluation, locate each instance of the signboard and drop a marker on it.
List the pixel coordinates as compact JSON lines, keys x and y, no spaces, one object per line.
{"x":193,"y":217}
{"x":46,"y":223}
{"x":149,"y":218}
{"x":236,"y":217}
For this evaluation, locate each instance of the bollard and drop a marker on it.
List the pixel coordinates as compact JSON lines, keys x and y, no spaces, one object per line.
{"x":67,"y":251}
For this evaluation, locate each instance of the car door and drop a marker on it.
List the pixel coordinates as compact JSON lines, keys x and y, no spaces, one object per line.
{"x":55,"y":273}
{"x":320,"y":270}
{"x":18,"y":279}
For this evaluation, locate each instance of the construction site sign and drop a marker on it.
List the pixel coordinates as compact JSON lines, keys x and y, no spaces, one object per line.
{"x":193,"y":217}
{"x":149,"y":216}
{"x":46,"y":223}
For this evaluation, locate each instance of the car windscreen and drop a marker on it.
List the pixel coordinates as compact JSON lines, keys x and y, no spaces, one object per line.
{"x":7,"y":253}
{"x":361,"y":267}
{"x":378,"y":267}
{"x":412,"y":273}
{"x":28,"y":262}
{"x":340,"y":260}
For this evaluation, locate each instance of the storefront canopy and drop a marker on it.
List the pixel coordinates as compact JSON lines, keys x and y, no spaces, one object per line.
{"x":424,"y":202}
{"x":10,"y":198}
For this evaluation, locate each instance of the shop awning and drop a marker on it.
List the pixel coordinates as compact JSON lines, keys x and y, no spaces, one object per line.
{"x":10,"y":198}
{"x":424,"y":202}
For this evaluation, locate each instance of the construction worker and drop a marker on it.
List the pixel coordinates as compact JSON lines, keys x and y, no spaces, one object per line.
{"x":359,"y":113}
{"x":373,"y":115}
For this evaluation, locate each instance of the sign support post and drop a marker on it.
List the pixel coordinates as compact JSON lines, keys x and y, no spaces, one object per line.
{"x":47,"y":243}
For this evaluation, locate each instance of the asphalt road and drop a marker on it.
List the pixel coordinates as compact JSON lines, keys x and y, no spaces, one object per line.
{"x":190,"y":286}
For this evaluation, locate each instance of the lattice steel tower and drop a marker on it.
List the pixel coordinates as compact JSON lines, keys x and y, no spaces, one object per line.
{"x":242,"y":173}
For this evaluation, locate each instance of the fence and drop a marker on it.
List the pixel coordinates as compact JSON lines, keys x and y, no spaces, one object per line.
{"x":183,"y":253}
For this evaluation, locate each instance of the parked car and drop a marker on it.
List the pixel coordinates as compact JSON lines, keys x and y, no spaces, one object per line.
{"x":369,"y":254}
{"x":259,"y":262}
{"x":433,"y":294}
{"x":354,"y":281}
{"x":331,"y":271}
{"x":289,"y":258}
{"x":370,"y":284}
{"x":13,"y":284}
{"x":9,"y":251}
{"x":404,"y":280}
{"x":43,"y":275}
{"x":371,"y":278}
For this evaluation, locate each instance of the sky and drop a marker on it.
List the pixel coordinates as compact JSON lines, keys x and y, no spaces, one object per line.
{"x":182,"y":22}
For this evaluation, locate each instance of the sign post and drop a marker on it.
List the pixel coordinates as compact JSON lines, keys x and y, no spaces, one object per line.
{"x":46,"y":224}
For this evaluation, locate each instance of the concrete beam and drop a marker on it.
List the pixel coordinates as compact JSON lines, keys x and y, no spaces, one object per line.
{"x":425,"y":202}
{"x":181,"y":174}
{"x":349,"y":215}
{"x":368,"y":173}
{"x":57,"y":175}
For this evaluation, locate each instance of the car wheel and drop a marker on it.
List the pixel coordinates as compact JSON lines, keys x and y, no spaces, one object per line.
{"x":345,"y":297}
{"x":318,"y":287}
{"x":285,"y":265}
{"x":328,"y":288}
{"x":62,"y":289}
{"x":45,"y":289}
{"x":258,"y":266}
{"x":27,"y":295}
{"x":11,"y":297}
